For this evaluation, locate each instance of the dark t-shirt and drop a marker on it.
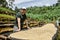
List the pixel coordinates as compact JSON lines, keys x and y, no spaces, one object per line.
{"x":22,"y":17}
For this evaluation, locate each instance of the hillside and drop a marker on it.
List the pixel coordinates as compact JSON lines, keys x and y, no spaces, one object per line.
{"x":46,"y":14}
{"x":6,"y":15}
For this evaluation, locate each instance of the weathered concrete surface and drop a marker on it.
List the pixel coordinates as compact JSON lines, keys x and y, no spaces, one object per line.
{"x":45,"y":32}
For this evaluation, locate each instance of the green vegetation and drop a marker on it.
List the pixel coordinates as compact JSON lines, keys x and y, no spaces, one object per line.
{"x":4,"y":19}
{"x":5,"y":10}
{"x":58,"y":38}
{"x":47,"y":14}
{"x":4,"y":16}
{"x":7,"y":15}
{"x":3,"y":3}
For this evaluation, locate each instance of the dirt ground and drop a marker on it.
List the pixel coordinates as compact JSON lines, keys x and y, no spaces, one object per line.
{"x":45,"y":32}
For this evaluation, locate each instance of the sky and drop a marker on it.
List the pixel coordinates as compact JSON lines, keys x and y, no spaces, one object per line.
{"x":29,"y":3}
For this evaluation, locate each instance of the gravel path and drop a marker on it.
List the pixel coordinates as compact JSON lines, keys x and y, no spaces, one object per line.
{"x":45,"y":32}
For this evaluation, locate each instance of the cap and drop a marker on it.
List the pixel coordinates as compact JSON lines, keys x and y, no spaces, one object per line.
{"x":23,"y":8}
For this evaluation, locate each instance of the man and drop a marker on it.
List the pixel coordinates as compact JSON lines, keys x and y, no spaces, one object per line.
{"x":20,"y":18}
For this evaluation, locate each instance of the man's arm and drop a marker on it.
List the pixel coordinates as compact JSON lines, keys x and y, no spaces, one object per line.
{"x":19,"y":27}
{"x":27,"y":23}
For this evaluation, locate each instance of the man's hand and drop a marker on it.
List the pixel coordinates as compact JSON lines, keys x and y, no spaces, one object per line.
{"x":28,"y":27}
{"x":27,"y":24}
{"x":19,"y":29}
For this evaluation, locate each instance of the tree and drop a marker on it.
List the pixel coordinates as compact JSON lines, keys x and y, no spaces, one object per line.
{"x":3,"y":3}
{"x":58,"y":1}
{"x":10,"y":4}
{"x":16,"y":9}
{"x":57,"y":4}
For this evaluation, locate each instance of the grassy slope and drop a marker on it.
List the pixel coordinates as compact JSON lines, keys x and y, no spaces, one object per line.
{"x":6,"y":16}
{"x":5,"y":9}
{"x":46,"y":14}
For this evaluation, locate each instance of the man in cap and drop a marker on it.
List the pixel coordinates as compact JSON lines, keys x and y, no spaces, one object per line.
{"x":20,"y":18}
